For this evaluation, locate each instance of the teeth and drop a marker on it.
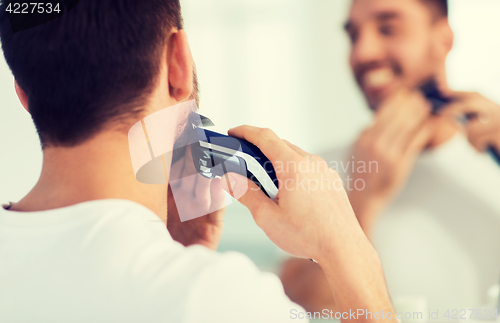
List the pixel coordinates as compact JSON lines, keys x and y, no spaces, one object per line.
{"x":378,"y":77}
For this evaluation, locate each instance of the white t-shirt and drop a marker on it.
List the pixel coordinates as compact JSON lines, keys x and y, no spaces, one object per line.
{"x":439,"y":241}
{"x":114,"y":261}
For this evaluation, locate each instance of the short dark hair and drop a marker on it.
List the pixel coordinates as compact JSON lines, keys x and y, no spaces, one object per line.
{"x":439,"y":8}
{"x":96,"y":64}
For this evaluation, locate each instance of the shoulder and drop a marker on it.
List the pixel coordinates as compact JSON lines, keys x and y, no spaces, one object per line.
{"x":231,"y":288}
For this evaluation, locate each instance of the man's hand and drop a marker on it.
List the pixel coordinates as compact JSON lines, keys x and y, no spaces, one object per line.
{"x":307,"y":214}
{"x":483,"y":127}
{"x":195,"y":195}
{"x":306,"y":284}
{"x":389,"y":148}
{"x":312,"y":218}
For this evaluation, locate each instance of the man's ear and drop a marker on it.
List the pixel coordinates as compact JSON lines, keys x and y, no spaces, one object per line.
{"x":180,"y":66}
{"x":22,"y":96}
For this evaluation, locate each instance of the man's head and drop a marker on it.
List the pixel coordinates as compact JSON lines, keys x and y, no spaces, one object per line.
{"x":397,"y":43}
{"x":98,"y":65}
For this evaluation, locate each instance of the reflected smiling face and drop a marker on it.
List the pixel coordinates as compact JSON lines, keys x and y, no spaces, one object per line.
{"x":395,"y":44}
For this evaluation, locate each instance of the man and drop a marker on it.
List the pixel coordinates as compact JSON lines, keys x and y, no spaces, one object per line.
{"x":431,"y":205}
{"x":86,"y":244}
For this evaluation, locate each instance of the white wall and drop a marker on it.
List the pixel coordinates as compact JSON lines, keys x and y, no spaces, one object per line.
{"x":278,"y":64}
{"x":474,"y":64}
{"x":20,"y":155}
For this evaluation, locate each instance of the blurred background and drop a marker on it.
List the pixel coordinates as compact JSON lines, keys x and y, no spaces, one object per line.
{"x":280,"y":64}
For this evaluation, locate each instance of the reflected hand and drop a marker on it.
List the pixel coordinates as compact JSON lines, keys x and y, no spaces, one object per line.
{"x":401,"y":130}
{"x":483,"y":126}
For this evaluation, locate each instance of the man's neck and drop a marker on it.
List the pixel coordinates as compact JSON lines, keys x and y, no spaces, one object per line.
{"x":100,"y":168}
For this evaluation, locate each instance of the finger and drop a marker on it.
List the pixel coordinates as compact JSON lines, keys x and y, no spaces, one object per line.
{"x":218,"y":199}
{"x":396,"y":133}
{"x":297,"y":149}
{"x":414,"y":114}
{"x":182,"y":174}
{"x":477,"y":128}
{"x":250,"y":195}
{"x":458,"y":109}
{"x":468,"y":103}
{"x":269,"y":143}
{"x":419,"y":113}
{"x":389,"y":107}
{"x":403,"y":109}
{"x":479,"y":134}
{"x":201,"y":190}
{"x":480,"y":143}
{"x":396,"y":103}
{"x":460,"y":95}
{"x":419,"y":140}
{"x":175,"y":173}
{"x":172,"y":212}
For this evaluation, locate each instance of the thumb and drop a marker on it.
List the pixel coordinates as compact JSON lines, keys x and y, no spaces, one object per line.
{"x":454,"y":110}
{"x":248,"y":194}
